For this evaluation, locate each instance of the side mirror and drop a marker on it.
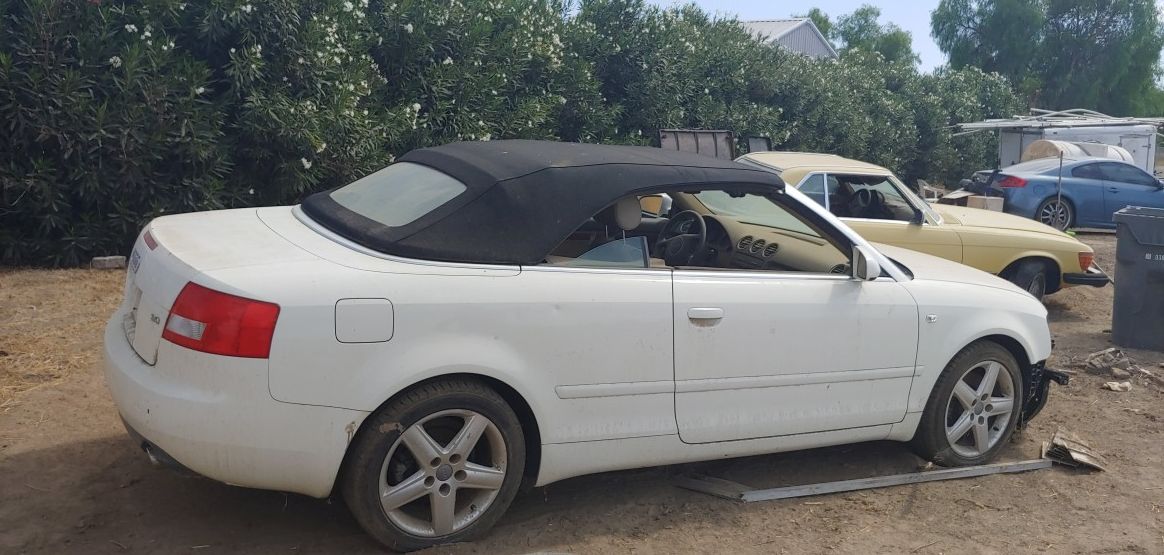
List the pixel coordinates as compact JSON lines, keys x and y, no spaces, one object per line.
{"x":865,"y":266}
{"x":919,"y":217}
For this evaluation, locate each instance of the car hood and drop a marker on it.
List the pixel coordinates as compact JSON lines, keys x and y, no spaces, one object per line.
{"x":977,"y":217}
{"x":932,"y":268}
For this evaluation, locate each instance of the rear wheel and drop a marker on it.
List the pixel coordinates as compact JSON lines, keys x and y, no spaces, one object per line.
{"x":1057,"y":213}
{"x":973,"y":408}
{"x":438,"y":465}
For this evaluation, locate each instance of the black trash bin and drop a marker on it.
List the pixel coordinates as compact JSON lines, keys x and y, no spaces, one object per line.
{"x":1138,"y":313}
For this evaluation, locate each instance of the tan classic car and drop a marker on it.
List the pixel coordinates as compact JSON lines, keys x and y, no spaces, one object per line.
{"x":871,"y":200}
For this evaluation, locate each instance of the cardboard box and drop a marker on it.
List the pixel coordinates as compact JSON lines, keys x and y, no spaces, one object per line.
{"x":988,"y":203}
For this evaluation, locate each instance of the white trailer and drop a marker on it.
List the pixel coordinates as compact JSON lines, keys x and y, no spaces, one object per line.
{"x":1136,"y":135}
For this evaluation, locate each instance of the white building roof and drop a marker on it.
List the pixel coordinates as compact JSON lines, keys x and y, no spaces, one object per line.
{"x":797,"y":34}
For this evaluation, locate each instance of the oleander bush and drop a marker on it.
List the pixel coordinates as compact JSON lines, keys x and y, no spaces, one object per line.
{"x":116,"y":112}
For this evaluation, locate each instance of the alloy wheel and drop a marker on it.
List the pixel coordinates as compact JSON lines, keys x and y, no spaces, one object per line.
{"x":1038,"y":287}
{"x":979,"y":408}
{"x":1056,"y":214}
{"x":443,"y":473}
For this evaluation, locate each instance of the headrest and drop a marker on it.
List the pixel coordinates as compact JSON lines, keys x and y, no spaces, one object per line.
{"x":626,"y":214}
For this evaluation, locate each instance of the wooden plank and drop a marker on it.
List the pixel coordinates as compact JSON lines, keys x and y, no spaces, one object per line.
{"x":789,"y":492}
{"x":718,"y":487}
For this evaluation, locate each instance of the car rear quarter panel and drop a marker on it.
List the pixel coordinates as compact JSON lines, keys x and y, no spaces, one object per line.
{"x":591,"y":360}
{"x":962,"y":316}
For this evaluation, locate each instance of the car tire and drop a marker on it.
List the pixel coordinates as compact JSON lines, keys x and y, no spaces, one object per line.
{"x":463,"y":487}
{"x":943,"y":435}
{"x":1030,"y":276}
{"x":1056,"y":212}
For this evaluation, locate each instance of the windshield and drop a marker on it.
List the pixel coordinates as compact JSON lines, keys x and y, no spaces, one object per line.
{"x":753,"y":209}
{"x":916,"y":200}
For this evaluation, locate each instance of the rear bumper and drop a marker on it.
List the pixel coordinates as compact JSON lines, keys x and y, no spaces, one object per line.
{"x":1094,"y":277}
{"x":215,"y":416}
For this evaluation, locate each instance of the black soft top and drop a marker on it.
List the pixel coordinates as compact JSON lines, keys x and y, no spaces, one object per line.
{"x":523,"y":198}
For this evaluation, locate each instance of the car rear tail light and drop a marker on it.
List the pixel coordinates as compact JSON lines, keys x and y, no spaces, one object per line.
{"x":1012,"y":182}
{"x":149,"y":240}
{"x":218,"y":323}
{"x":1085,"y":259}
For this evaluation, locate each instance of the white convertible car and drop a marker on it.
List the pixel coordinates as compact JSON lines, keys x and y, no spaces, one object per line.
{"x":477,"y":315}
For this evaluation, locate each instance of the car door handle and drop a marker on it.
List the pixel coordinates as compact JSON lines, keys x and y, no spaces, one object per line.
{"x":705,"y":313}
{"x":1113,"y":190}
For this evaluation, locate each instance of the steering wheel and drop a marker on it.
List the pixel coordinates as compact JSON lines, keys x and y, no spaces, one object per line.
{"x":879,"y":207}
{"x":677,"y":244}
{"x":860,"y":203}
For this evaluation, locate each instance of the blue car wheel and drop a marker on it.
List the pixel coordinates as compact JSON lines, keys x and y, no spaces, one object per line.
{"x":1056,"y":213}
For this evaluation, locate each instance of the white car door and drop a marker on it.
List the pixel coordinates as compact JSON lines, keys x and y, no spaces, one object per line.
{"x":762,"y":354}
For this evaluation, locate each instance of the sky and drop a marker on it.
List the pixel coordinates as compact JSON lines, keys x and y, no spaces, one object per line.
{"x":911,"y":15}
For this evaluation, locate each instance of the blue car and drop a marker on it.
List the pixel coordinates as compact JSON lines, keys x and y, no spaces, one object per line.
{"x":1093,"y":190}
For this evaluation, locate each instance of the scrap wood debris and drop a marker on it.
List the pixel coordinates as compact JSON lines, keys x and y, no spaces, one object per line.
{"x":1068,"y":449}
{"x":1114,"y":362}
{"x":1105,"y":360}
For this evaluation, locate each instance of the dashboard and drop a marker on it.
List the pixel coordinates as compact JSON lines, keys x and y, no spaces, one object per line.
{"x":733,"y":243}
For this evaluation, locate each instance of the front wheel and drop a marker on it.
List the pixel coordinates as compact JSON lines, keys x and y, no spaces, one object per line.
{"x":438,"y":465}
{"x":1031,"y":276}
{"x":973,"y":408}
{"x":1056,"y":212}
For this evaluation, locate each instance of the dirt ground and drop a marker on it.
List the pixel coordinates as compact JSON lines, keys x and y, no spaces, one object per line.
{"x":72,"y":481}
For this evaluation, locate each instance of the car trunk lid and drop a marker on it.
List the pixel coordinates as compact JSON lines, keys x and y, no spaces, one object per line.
{"x":175,"y":250}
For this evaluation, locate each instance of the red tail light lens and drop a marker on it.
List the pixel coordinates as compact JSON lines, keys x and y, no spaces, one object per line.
{"x":149,"y":240}
{"x":213,"y":322}
{"x":1012,"y":182}
{"x":1085,"y":260}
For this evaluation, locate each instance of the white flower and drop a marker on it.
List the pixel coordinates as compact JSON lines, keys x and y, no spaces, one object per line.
{"x":251,"y":191}
{"x":200,"y":90}
{"x":115,"y":62}
{"x":232,"y":51}
{"x":248,"y":8}
{"x":301,"y":59}
{"x":415,"y":106}
{"x":348,"y":6}
{"x":130,"y":28}
{"x":408,"y":28}
{"x":321,"y":148}
{"x":447,"y":61}
{"x":182,"y":6}
{"x":306,"y":163}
